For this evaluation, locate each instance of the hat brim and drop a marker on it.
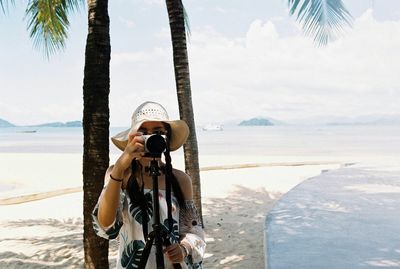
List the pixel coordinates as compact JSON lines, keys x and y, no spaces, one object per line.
{"x":179,"y":134}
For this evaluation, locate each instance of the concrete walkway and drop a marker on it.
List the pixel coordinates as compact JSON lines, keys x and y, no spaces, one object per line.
{"x":346,"y":218}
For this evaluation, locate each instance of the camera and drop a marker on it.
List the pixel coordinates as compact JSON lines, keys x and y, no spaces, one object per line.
{"x":155,"y":143}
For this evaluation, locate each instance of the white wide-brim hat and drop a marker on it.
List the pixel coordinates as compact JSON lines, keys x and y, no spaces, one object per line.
{"x":151,"y":111}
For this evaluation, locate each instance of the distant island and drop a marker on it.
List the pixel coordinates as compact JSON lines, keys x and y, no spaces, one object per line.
{"x":256,"y":122}
{"x":4,"y":123}
{"x":60,"y":124}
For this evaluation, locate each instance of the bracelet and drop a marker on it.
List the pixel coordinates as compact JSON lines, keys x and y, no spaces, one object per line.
{"x":185,"y":249}
{"x":116,"y":179}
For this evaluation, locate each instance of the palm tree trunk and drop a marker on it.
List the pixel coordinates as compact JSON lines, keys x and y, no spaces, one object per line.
{"x":182,"y":78}
{"x":96,"y":88}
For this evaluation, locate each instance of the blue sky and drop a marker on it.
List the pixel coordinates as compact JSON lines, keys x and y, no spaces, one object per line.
{"x":245,"y":61}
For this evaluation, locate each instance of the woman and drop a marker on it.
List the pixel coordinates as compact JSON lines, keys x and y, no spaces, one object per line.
{"x":125,"y":209}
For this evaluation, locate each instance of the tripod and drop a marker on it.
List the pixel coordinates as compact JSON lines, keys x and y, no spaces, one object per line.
{"x":159,"y":236}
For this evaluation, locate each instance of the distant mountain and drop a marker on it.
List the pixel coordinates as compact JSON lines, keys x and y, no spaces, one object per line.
{"x":274,"y":121}
{"x":236,"y":122}
{"x":76,"y":123}
{"x":4,"y":123}
{"x":256,"y":122}
{"x":373,"y":119}
{"x":60,"y":124}
{"x":370,"y":120}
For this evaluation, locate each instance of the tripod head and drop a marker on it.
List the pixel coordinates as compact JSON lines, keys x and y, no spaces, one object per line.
{"x":152,"y":155}
{"x":153,"y":169}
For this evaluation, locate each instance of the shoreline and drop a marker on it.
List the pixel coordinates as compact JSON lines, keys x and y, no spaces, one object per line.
{"x":35,"y":196}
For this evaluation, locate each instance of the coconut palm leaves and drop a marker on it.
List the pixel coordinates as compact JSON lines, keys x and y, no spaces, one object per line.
{"x":322,"y":19}
{"x":47,"y":21}
{"x":186,"y":19}
{"x":4,"y":5}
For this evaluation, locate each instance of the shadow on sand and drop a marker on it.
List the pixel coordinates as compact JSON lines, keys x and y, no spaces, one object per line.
{"x":234,"y":228}
{"x":44,"y":243}
{"x":234,"y":234}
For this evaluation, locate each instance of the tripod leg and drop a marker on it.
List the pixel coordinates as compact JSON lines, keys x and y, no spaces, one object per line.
{"x":146,"y":251}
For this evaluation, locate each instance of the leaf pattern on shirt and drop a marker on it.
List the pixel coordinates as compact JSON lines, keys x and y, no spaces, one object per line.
{"x":175,"y":230}
{"x":110,"y":233}
{"x":186,"y":226}
{"x":132,"y":254}
{"x":136,"y":211}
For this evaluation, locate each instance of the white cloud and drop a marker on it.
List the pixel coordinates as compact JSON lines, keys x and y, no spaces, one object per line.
{"x":30,"y":113}
{"x":154,"y":2}
{"x":128,"y":23}
{"x":164,"y":33}
{"x":272,"y":70}
{"x":261,"y":35}
{"x":225,"y":10}
{"x":265,"y":73}
{"x":59,"y":112}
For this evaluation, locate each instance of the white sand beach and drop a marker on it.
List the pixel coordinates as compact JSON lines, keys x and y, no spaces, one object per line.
{"x":41,"y":197}
{"x":41,"y":226}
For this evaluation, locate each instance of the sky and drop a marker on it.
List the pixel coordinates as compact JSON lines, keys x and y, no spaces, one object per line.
{"x":245,"y":61}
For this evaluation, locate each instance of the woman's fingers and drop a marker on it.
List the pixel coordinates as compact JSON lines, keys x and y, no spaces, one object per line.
{"x":174,"y":253}
{"x":135,"y":142}
{"x":134,"y":149}
{"x":133,"y":135}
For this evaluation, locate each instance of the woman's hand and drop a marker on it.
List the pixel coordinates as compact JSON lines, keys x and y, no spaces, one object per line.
{"x":133,"y":150}
{"x":175,"y":253}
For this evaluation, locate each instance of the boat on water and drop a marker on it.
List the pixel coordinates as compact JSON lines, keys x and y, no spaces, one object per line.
{"x":213,"y":127}
{"x":27,"y":131}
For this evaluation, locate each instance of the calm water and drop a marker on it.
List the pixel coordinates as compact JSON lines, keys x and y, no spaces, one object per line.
{"x":268,"y":140}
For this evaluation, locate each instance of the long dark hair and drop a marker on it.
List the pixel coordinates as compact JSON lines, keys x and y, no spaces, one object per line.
{"x":136,"y":193}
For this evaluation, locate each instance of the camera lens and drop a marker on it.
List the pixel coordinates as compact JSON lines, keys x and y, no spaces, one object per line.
{"x":155,"y":144}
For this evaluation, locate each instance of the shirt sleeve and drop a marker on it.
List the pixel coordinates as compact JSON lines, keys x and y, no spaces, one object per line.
{"x":192,"y":234}
{"x":112,"y":231}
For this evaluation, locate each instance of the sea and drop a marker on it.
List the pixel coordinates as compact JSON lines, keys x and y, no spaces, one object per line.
{"x":323,"y":140}
{"x":314,"y":146}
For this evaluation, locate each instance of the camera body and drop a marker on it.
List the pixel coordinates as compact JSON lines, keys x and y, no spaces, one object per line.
{"x":155,"y":143}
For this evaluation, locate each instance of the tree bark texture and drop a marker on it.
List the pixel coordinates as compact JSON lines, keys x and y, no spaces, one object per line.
{"x":96,"y":89}
{"x":182,"y":79}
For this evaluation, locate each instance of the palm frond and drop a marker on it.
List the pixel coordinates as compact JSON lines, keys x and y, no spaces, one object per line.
{"x":4,"y":5}
{"x":186,"y":20}
{"x":322,"y":19}
{"x":48,"y":23}
{"x":74,"y":5}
